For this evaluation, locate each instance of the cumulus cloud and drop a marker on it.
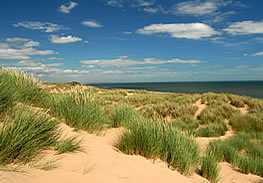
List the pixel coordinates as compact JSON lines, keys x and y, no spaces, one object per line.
{"x":64,"y":40}
{"x":257,"y":54}
{"x":21,"y":48}
{"x":124,"y":61}
{"x":23,"y":53}
{"x":65,"y":8}
{"x":245,"y":27}
{"x":195,"y":8}
{"x":92,"y":24}
{"x":188,"y":31}
{"x":44,"y":26}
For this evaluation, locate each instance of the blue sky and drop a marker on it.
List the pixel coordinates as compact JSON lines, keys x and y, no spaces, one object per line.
{"x":133,"y":40}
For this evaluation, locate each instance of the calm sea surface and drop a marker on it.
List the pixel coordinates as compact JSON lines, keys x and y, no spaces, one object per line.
{"x":248,"y":88}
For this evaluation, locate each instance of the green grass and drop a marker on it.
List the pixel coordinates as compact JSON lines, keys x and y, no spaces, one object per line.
{"x":244,"y":150}
{"x":79,"y":110}
{"x":248,"y":122}
{"x":209,"y":167}
{"x":216,"y":112}
{"x":124,"y":116}
{"x":157,"y":140}
{"x":70,"y":144}
{"x":22,"y":87}
{"x":212,"y":130}
{"x":168,"y":109}
{"x":24,"y":133}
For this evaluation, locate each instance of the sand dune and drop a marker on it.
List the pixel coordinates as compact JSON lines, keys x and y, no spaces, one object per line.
{"x":101,"y":162}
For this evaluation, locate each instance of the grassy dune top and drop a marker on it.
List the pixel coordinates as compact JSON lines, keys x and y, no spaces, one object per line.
{"x":157,"y":125}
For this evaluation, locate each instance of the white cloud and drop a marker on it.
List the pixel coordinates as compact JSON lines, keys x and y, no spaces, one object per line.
{"x":54,"y":64}
{"x":115,"y":3}
{"x":20,"y":48}
{"x":64,"y":40}
{"x":17,"y":39}
{"x":188,"y":31}
{"x":127,"y":33}
{"x":31,"y":44}
{"x":4,"y":46}
{"x":92,"y":24}
{"x":65,"y":8}
{"x":257,"y":54}
{"x":45,"y":26}
{"x":245,"y":27}
{"x":23,"y":53}
{"x":195,"y":8}
{"x":143,"y":3}
{"x":151,"y":10}
{"x":124,"y":61}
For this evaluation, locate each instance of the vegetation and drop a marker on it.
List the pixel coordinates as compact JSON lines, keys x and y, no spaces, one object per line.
{"x":156,"y":125}
{"x":79,"y":110}
{"x":157,"y":140}
{"x":244,"y":150}
{"x":248,"y":122}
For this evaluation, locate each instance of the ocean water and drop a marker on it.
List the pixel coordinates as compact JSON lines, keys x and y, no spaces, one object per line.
{"x":247,"y":88}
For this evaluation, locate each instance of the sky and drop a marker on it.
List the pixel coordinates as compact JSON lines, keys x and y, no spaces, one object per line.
{"x":121,"y":41}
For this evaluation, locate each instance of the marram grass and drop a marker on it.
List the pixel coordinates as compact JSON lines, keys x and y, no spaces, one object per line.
{"x":79,"y":110}
{"x":24,"y":133}
{"x":158,"y":140}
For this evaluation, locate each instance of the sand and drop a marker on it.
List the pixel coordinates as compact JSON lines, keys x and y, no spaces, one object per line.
{"x":101,"y":162}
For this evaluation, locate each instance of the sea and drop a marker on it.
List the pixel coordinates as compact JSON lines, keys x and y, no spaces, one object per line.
{"x":245,"y":88}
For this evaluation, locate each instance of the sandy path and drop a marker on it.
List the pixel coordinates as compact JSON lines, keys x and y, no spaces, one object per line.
{"x":100,"y":163}
{"x":200,"y":106}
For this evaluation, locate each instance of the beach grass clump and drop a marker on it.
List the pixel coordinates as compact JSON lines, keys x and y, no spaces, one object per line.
{"x":212,"y":130}
{"x":186,"y":123}
{"x":209,"y":167}
{"x":236,"y":100}
{"x":244,"y":150}
{"x":168,"y":109}
{"x":80,"y":110}
{"x":215,"y":113}
{"x":24,"y":133}
{"x":251,"y":122}
{"x":70,"y":144}
{"x":124,"y":116}
{"x":159,"y":140}
{"x":212,"y":98}
{"x":25,"y":89}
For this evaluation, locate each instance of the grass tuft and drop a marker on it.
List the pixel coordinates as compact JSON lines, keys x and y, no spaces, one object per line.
{"x":70,"y":144}
{"x":157,"y":140}
{"x":24,"y":134}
